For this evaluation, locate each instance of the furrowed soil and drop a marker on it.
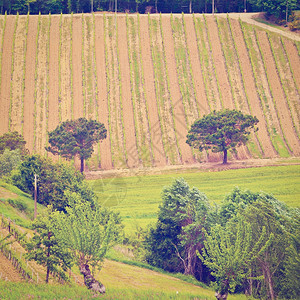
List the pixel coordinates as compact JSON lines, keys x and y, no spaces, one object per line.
{"x":130,"y":135}
{"x":77,"y":66}
{"x":250,"y":89}
{"x":147,"y":78}
{"x":176,"y":97}
{"x":6,"y":66}
{"x":105,"y":150}
{"x":155,"y":128}
{"x":28,"y":130}
{"x":7,"y":271}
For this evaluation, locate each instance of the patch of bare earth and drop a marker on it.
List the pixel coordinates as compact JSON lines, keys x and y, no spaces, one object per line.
{"x":286,"y":78}
{"x":6,"y":66}
{"x":77,"y":66}
{"x":278,"y":94}
{"x":28,"y":129}
{"x":7,"y":270}
{"x":294,"y":58}
{"x":164,"y":104}
{"x":17,"y":84}
{"x":53,"y":74}
{"x":114,"y":93}
{"x":41,"y":86}
{"x":176,"y":97}
{"x":155,"y":129}
{"x":250,"y":89}
{"x":65,"y":75}
{"x":195,"y":66}
{"x":130,"y":138}
{"x":138,"y":96}
{"x":105,"y":151}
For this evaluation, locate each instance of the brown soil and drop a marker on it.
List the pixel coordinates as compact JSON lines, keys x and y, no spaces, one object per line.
{"x":17,"y":76}
{"x":41,"y":86}
{"x":178,"y":109}
{"x":53,"y":75}
{"x":255,"y":107}
{"x":105,"y":151}
{"x":196,"y":67}
{"x":156,"y":135}
{"x":278,"y":94}
{"x":294,"y":58}
{"x":28,"y":129}
{"x":6,"y":73}
{"x":7,"y":271}
{"x":130,"y":138}
{"x":65,"y":70}
{"x":218,"y":59}
{"x":77,"y":66}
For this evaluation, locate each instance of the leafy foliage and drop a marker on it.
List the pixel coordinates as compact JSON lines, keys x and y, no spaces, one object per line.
{"x":172,"y":244}
{"x":9,"y":161}
{"x":45,"y":249}
{"x":12,"y":141}
{"x":88,"y":231}
{"x":76,"y":137}
{"x":53,"y":180}
{"x":229,"y":252}
{"x":221,"y":131}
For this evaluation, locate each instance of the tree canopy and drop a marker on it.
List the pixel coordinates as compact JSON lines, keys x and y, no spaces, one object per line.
{"x":53,"y":179}
{"x":221,"y":131}
{"x":88,"y":232}
{"x":12,"y":141}
{"x":172,"y":244}
{"x":76,"y":138}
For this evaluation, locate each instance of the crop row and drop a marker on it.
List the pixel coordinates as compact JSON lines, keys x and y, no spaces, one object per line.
{"x":138,"y":95}
{"x":162,"y":86}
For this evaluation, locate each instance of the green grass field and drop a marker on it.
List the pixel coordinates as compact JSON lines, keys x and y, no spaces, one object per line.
{"x":137,"y":198}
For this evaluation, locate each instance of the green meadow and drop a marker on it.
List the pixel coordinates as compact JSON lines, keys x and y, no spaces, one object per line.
{"x":137,"y":198}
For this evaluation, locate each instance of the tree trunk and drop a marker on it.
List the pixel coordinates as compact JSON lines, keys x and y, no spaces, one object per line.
{"x":220,"y":296}
{"x":81,"y":165}
{"x":225,"y":157}
{"x":190,"y":6}
{"x":47,"y":275}
{"x":89,"y":280}
{"x":268,"y":280}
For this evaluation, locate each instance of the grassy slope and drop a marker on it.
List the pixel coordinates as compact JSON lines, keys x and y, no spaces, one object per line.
{"x":137,"y":197}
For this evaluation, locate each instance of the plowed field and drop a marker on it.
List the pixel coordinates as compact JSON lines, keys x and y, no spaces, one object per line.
{"x":148,"y":78}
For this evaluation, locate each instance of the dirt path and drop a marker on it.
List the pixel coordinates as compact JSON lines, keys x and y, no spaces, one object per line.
{"x":250,"y":18}
{"x":178,"y":109}
{"x":250,"y":88}
{"x":7,"y":271}
{"x":53,"y":74}
{"x":105,"y":150}
{"x":28,"y":128}
{"x":130,"y":138}
{"x":156,"y":135}
{"x":278,"y":94}
{"x":77,"y":66}
{"x":6,"y":73}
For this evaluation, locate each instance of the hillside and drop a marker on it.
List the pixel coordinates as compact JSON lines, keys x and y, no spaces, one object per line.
{"x":147,"y":78}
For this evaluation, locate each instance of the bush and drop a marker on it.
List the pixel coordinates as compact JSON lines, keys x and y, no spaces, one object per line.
{"x":19,"y":205}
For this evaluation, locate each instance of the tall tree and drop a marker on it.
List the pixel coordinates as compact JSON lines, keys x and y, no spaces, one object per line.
{"x":76,"y":137}
{"x":221,"y":131}
{"x":172,"y":244}
{"x":229,"y":252}
{"x":88,"y":232}
{"x":45,"y":249}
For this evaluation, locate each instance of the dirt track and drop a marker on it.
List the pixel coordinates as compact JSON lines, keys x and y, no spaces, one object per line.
{"x":147,"y":83}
